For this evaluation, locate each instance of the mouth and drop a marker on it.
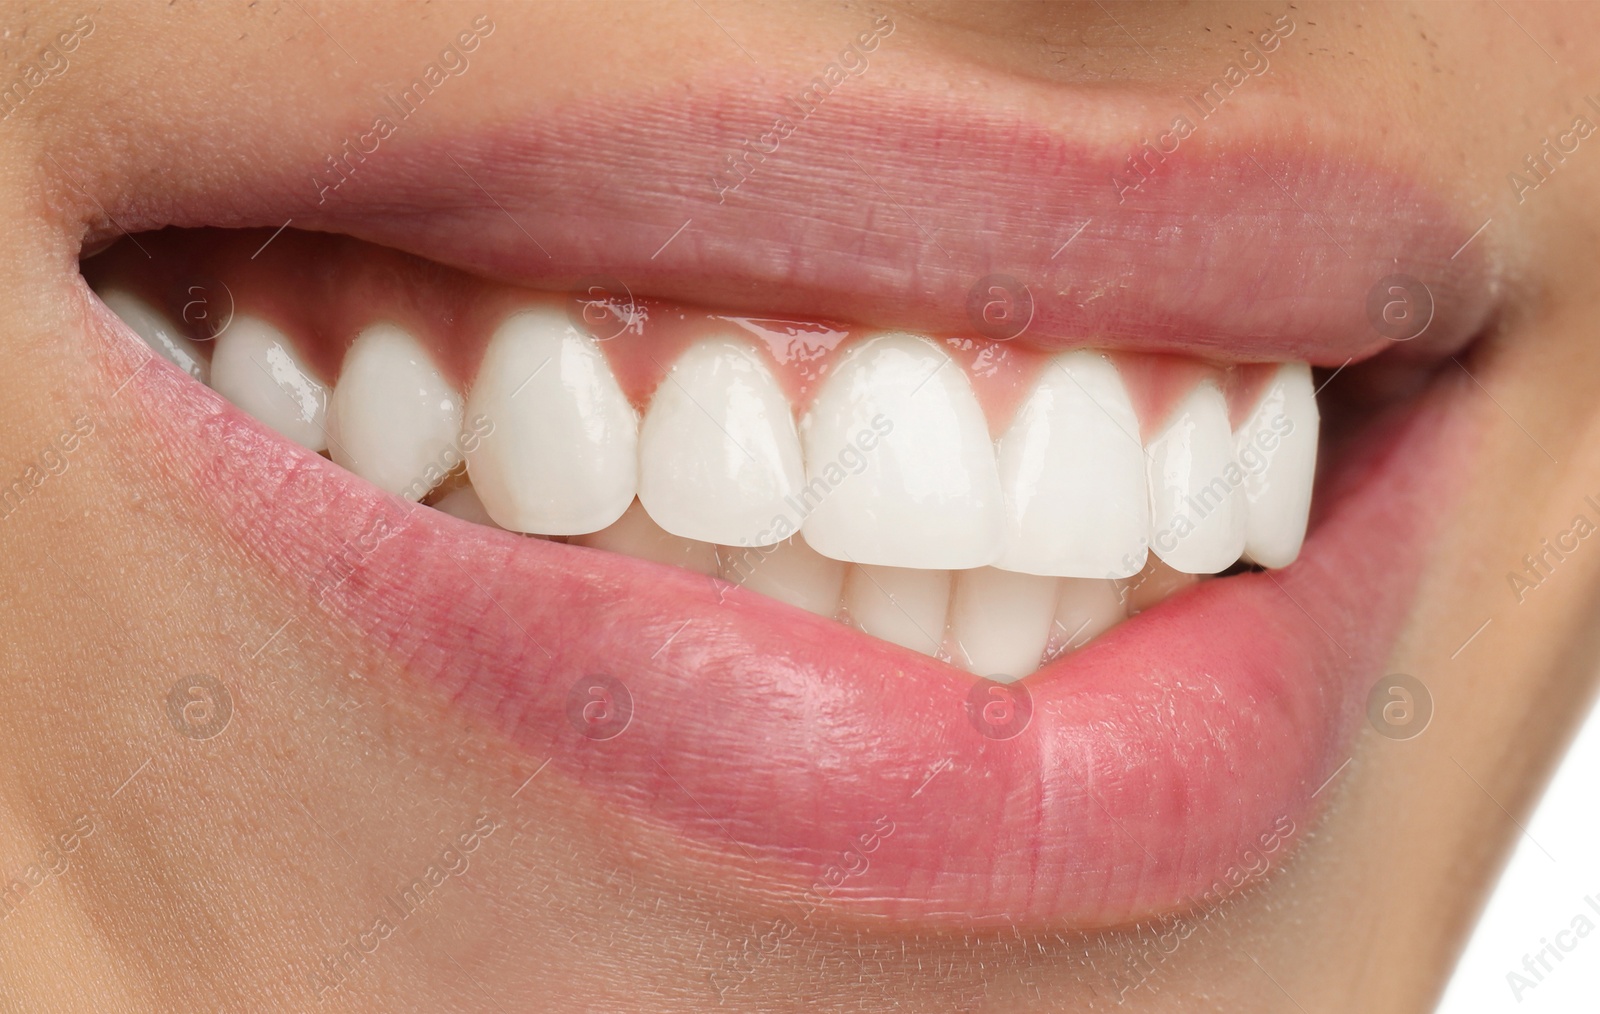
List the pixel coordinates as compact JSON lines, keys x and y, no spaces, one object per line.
{"x":926,"y":582}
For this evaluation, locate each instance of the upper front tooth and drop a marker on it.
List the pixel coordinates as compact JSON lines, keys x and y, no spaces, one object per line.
{"x":1198,"y":513}
{"x":560,"y":455}
{"x":636,"y":534}
{"x":718,"y":452}
{"x":1072,"y":467}
{"x":159,"y":333}
{"x":899,"y":465}
{"x":1277,"y":448}
{"x":255,"y":366}
{"x":394,"y":419}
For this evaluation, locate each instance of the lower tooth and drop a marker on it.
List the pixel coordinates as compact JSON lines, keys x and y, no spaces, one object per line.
{"x":1000,"y":622}
{"x":635,"y":534}
{"x":159,"y":333}
{"x":1087,"y":608}
{"x":790,"y":572}
{"x":1154,"y":584}
{"x":463,"y":503}
{"x":255,"y":367}
{"x":898,"y":604}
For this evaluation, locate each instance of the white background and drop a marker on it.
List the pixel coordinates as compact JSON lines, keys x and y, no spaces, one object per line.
{"x":1538,"y":897}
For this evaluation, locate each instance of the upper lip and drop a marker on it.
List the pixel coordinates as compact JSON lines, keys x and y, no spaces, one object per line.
{"x":1171,"y":745}
{"x":1247,"y":244}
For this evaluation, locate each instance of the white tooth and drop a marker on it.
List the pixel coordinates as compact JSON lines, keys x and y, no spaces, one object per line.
{"x":1087,"y":609}
{"x":790,"y":572}
{"x":636,"y":535}
{"x":560,"y":455}
{"x":900,"y":469}
{"x":159,"y":333}
{"x":1277,"y":448}
{"x":463,"y":503}
{"x":1000,"y":622}
{"x":718,"y":451}
{"x":1073,"y":472}
{"x":394,"y":420}
{"x":255,"y":366}
{"x":1198,"y":509}
{"x":900,"y":605}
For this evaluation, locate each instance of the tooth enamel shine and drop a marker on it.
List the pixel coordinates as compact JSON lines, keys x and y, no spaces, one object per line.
{"x":562,"y":456}
{"x":718,"y":451}
{"x":256,"y":367}
{"x":900,"y":470}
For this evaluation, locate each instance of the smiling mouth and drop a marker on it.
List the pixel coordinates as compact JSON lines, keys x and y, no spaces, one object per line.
{"x":990,"y":505}
{"x":997,"y":552}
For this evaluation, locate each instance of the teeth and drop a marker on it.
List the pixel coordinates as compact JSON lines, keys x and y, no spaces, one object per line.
{"x":1087,"y":609}
{"x":1073,"y":471}
{"x":899,"y":466}
{"x":1000,"y":622}
{"x":256,"y":367}
{"x":561,"y":456}
{"x":1154,"y":585}
{"x":635,"y":534}
{"x":718,"y":452}
{"x":463,"y":503}
{"x":1199,"y":512}
{"x":159,"y":333}
{"x":1277,"y":448}
{"x":394,"y":420}
{"x":790,"y":572}
{"x":899,"y":604}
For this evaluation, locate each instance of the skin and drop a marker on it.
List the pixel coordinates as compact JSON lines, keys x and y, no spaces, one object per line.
{"x":220,"y":871}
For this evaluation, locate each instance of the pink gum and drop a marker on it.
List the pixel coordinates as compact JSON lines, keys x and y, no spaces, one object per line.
{"x":322,"y":290}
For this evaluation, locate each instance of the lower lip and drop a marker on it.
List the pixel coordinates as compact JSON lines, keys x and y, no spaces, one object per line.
{"x":1157,"y":762}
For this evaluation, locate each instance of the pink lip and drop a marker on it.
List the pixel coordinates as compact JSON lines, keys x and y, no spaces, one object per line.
{"x":1247,"y":243}
{"x":1155,"y":760}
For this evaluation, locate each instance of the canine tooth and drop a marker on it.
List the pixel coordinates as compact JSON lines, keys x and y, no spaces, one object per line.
{"x":255,"y":366}
{"x":1277,"y":448}
{"x":560,"y":457}
{"x":1199,"y":512}
{"x":1087,"y":608}
{"x":1073,"y":472}
{"x":718,"y":451}
{"x":1000,"y":622}
{"x":926,"y":493}
{"x":635,"y":534}
{"x":394,"y":420}
{"x":790,"y":572}
{"x":463,"y":503}
{"x":899,"y":604}
{"x":159,"y":333}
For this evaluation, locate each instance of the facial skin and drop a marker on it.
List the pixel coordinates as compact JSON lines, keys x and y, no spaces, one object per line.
{"x":217,"y":873}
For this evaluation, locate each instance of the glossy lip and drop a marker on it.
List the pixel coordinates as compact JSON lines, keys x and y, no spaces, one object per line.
{"x":1251,"y":243}
{"x":1156,"y":758}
